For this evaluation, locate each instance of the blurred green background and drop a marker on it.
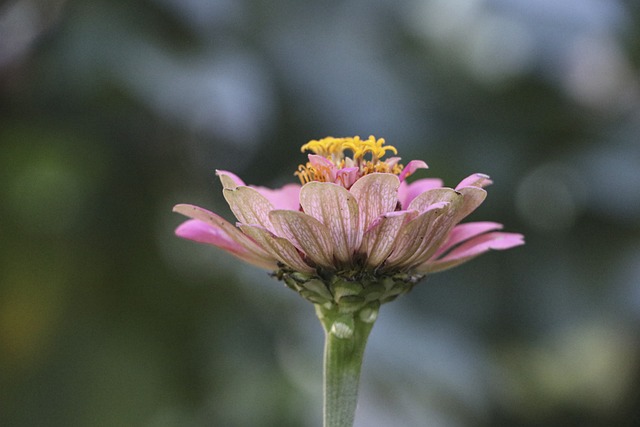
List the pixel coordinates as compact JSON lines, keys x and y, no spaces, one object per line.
{"x":113,"y":111}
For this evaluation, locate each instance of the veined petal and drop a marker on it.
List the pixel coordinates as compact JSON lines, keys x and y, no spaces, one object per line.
{"x":376,"y":194}
{"x":223,"y":235}
{"x":379,"y":240}
{"x":472,"y":197}
{"x":436,"y":233}
{"x":337,"y":209}
{"x":249,"y":206}
{"x":280,"y":248}
{"x":411,"y":167}
{"x":462,"y":232}
{"x":407,"y":192}
{"x":229,"y":179}
{"x":281,"y":198}
{"x":458,"y":207}
{"x":435,"y":195}
{"x":418,"y":234}
{"x":287,"y":197}
{"x":306,"y":233}
{"x":472,"y":248}
{"x":475,"y":180}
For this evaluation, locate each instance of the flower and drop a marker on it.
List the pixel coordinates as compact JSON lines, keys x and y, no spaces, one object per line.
{"x":355,"y":232}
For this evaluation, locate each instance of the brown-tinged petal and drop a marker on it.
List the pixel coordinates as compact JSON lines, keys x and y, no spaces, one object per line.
{"x":435,"y":236}
{"x":337,"y":209}
{"x":472,"y":197}
{"x":436,"y":195}
{"x":376,"y":194}
{"x":229,"y":179}
{"x":306,"y":233}
{"x":280,"y":248}
{"x":286,"y":197}
{"x":249,"y":206}
{"x":379,"y":240}
{"x":417,"y":234}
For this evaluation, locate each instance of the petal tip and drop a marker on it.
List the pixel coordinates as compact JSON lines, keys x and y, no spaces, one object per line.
{"x":411,"y":167}
{"x":183,"y":208}
{"x":475,"y":180}
{"x":229,"y":179}
{"x":505,"y":240}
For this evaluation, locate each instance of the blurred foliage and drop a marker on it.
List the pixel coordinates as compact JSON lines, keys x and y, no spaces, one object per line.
{"x":112,"y":111}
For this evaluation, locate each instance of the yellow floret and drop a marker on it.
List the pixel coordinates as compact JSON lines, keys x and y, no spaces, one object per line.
{"x":334,"y":149}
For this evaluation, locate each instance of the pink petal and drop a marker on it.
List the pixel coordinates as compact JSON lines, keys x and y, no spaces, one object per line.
{"x":222,"y":234}
{"x":376,"y":194}
{"x":392,"y":161}
{"x":201,"y":232}
{"x":280,"y":248}
{"x":379,"y":240}
{"x":337,"y":209}
{"x":287,"y":197}
{"x":476,"y":180}
{"x":472,"y":248}
{"x":463,"y":232}
{"x":249,"y":206}
{"x":407,"y":192}
{"x":306,"y":233}
{"x":411,"y":167}
{"x":418,"y":234}
{"x":346,"y":177}
{"x":229,"y":179}
{"x":430,"y":197}
{"x":323,"y":164}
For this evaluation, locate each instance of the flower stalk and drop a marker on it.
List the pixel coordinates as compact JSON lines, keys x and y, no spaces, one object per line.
{"x":345,"y":341}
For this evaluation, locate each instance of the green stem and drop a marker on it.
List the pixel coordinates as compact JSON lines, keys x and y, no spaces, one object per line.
{"x":345,"y":341}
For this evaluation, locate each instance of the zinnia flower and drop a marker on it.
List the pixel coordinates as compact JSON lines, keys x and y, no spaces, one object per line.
{"x":355,"y":233}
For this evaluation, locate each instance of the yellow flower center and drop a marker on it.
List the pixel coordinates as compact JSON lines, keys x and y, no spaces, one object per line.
{"x":333,"y":149}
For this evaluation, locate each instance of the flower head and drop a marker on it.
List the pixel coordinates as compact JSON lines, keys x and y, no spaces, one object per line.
{"x":354,"y":233}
